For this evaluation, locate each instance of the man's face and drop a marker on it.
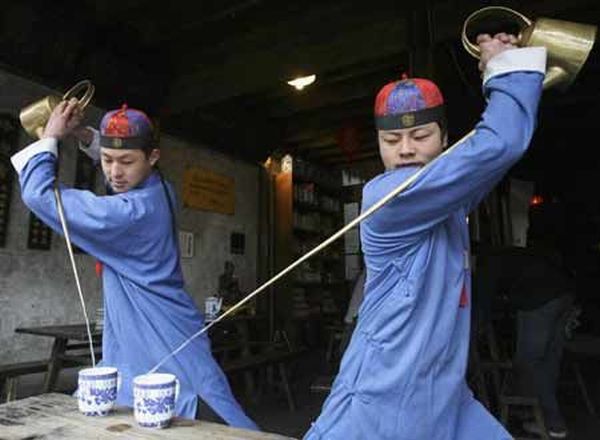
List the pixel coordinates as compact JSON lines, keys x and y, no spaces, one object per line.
{"x":126,"y":169}
{"x":410,"y":146}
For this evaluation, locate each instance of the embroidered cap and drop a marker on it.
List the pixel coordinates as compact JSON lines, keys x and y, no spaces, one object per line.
{"x":126,"y":128}
{"x":407,"y":103}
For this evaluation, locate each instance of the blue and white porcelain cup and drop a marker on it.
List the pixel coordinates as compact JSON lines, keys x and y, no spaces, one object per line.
{"x":154,"y":397}
{"x":97,"y":390}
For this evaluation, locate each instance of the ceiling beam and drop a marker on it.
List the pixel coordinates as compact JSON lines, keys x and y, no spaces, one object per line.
{"x":300,"y":127}
{"x":290,"y":24}
{"x":342,"y":158}
{"x":333,"y":151}
{"x":292,"y":53}
{"x":323,"y":96}
{"x":265,"y":69}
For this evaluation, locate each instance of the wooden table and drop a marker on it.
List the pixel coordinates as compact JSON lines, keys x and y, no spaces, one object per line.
{"x":55,"y":416}
{"x":242,"y":342}
{"x":64,"y":336}
{"x":74,"y":337}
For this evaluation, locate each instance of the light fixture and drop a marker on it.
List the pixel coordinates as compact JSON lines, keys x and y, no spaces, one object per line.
{"x":286,"y":164}
{"x":303,"y":81}
{"x":536,"y":200}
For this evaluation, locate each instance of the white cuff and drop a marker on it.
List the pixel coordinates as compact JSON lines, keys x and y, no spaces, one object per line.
{"x":46,"y":145}
{"x":93,"y":149}
{"x":526,"y":59}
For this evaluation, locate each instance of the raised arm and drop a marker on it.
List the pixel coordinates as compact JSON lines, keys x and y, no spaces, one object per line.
{"x":95,"y":222}
{"x":512,"y":86}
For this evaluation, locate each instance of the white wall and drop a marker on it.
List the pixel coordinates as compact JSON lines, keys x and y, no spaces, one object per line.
{"x":37,"y":287}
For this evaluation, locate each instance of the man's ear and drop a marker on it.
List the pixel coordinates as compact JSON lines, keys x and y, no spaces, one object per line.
{"x":154,"y":156}
{"x":445,"y":141}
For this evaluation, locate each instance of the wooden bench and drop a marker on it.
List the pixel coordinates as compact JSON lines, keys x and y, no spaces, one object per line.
{"x":322,"y":384}
{"x":510,"y":399}
{"x":79,"y":357}
{"x":70,"y":347}
{"x":583,"y":348}
{"x":222,"y":350}
{"x":9,"y":374}
{"x":278,"y":357}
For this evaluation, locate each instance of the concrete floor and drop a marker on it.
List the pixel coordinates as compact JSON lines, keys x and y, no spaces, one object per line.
{"x":272,"y":414}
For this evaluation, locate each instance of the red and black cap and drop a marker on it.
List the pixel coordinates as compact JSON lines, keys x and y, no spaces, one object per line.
{"x":126,"y":128}
{"x":408,"y":103}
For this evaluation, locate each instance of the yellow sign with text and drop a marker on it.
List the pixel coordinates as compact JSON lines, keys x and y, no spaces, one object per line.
{"x":204,"y":189}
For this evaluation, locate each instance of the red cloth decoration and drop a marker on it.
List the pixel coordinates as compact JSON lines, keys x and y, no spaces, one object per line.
{"x":464,"y":297}
{"x":99,"y":269}
{"x":348,"y":140}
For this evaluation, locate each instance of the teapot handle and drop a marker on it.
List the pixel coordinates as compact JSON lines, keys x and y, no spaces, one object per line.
{"x":472,"y":48}
{"x":86,"y":98}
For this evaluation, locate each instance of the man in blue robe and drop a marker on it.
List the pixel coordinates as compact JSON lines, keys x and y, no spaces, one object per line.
{"x":147,"y":311}
{"x":403,"y":374}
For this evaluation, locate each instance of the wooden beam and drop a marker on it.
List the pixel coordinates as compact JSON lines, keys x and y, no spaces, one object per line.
{"x":236,"y":69}
{"x":251,"y":71}
{"x":319,"y":143}
{"x":367,"y":146}
{"x":348,"y":84}
{"x":328,"y":121}
{"x":356,"y":91}
{"x":342,"y":158}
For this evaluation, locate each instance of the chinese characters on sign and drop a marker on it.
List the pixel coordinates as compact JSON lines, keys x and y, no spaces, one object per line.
{"x":207,"y":190}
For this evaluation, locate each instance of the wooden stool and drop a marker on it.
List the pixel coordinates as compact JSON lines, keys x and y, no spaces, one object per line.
{"x":476,"y":377}
{"x":510,"y":399}
{"x":10,"y":388}
{"x":277,"y":358}
{"x":582,"y":348}
{"x":9,"y":375}
{"x":322,"y":384}
{"x":487,"y":365}
{"x":335,"y":338}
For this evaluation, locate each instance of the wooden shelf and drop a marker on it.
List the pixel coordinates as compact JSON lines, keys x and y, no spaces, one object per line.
{"x":333,"y":192}
{"x":309,"y":207}
{"x":324,"y":258}
{"x":334,"y":213}
{"x":306,"y":232}
{"x":296,"y":204}
{"x":308,"y":317}
{"x":318,"y":283}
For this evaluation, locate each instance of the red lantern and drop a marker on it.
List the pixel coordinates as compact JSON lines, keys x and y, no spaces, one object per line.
{"x":536,"y":200}
{"x":348,"y":140}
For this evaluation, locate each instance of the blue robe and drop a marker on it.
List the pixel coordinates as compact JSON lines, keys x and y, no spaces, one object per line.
{"x":147,"y":311}
{"x":403,"y":374}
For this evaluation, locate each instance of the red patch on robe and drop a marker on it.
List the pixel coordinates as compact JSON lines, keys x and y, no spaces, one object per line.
{"x":464,"y":297}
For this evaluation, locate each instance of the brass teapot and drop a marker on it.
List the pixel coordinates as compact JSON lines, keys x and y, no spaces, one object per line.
{"x":35,"y":116}
{"x":568,"y":44}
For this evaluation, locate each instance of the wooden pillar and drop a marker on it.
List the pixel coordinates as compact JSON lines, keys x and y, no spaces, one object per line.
{"x":421,"y":41}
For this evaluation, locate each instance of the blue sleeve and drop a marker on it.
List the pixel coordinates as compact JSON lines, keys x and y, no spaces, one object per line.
{"x":97,"y":224}
{"x":461,"y":178}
